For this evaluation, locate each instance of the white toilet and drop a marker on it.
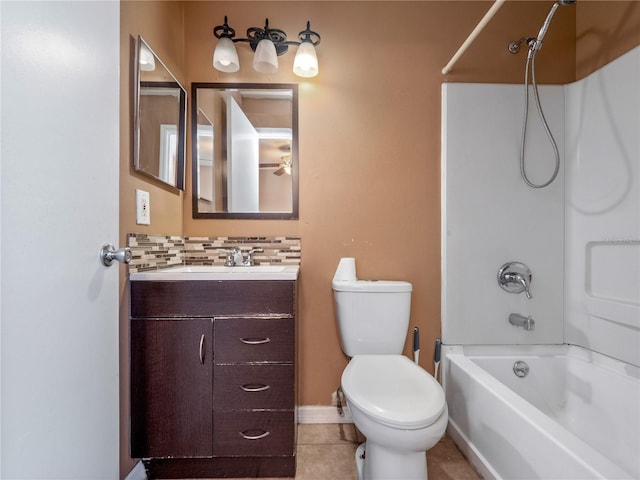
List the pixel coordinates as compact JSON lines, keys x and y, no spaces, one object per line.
{"x":396,"y":404}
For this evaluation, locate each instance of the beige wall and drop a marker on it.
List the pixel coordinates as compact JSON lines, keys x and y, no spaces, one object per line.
{"x":604,"y":31}
{"x":161,"y":24}
{"x":369,"y":135}
{"x":369,"y":142}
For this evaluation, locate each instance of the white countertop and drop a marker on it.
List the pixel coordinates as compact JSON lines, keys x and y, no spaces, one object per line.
{"x":217,"y":272}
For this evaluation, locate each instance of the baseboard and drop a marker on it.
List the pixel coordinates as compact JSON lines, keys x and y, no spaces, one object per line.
{"x":138,"y":473}
{"x":322,"y":414}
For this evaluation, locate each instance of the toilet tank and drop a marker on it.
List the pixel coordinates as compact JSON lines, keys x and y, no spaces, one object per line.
{"x":372,"y":316}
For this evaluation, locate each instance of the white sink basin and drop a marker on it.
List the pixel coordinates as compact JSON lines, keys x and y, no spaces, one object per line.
{"x":222,"y":269}
{"x":218,"y":272}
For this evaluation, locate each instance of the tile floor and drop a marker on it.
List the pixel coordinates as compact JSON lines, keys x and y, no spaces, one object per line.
{"x":326,"y":452}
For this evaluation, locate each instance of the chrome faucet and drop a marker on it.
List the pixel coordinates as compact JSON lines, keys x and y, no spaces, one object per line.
{"x":234,"y":257}
{"x":515,"y":277}
{"x":521,"y":321}
{"x":248,"y":260}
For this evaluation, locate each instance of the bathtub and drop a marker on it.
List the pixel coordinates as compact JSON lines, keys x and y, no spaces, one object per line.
{"x":575,"y":415}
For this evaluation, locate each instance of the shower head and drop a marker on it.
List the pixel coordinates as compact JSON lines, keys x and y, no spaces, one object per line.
{"x":537,"y":45}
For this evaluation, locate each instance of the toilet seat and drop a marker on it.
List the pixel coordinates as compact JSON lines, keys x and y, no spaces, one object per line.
{"x":393,"y":390}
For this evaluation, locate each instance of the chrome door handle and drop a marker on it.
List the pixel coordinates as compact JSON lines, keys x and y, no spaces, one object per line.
{"x":254,"y":437}
{"x":109,"y":253}
{"x":255,"y":388}
{"x":202,"y":349}
{"x":255,"y":341}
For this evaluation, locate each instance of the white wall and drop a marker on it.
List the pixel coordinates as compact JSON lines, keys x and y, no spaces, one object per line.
{"x":602,"y":232}
{"x":588,"y":261}
{"x":59,"y":203}
{"x":491,"y":217}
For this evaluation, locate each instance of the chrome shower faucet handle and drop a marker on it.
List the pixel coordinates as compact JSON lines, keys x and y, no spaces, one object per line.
{"x":515,"y":277}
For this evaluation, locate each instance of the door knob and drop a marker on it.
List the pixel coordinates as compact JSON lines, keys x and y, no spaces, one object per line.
{"x":109,"y":253}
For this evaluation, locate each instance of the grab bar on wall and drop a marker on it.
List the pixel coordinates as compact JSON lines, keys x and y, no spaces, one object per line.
{"x":472,"y":36}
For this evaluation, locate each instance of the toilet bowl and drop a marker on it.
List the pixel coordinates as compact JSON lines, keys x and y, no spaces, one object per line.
{"x":400,"y":409}
{"x":397,"y":405}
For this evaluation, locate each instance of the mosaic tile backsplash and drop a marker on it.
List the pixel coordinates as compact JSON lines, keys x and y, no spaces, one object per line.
{"x":152,"y":252}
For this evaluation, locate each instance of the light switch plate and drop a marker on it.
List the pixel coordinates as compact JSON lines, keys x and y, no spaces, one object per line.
{"x":143,"y":208}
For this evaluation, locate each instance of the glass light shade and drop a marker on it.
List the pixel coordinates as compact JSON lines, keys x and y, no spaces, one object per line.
{"x":147,"y":60}
{"x":265,"y":60}
{"x":225,"y":57}
{"x":306,"y":61}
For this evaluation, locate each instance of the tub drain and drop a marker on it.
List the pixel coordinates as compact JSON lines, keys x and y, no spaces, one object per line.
{"x":520,"y":368}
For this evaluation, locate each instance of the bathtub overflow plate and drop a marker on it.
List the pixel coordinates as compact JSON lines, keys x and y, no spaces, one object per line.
{"x":521,"y":369}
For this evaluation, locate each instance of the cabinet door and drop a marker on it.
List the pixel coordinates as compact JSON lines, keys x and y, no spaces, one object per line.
{"x":171,"y":387}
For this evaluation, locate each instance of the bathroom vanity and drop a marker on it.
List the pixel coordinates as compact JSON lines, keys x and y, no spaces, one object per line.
{"x":213,"y":372}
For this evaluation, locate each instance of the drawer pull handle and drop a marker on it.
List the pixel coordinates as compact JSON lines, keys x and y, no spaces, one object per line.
{"x":202,"y":349}
{"x":255,"y":341}
{"x":255,"y":387}
{"x":255,"y":437}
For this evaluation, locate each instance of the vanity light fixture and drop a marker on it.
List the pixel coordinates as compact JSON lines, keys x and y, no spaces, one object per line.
{"x":267,"y":43}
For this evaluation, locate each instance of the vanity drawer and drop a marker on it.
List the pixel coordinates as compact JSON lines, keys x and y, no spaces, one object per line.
{"x":246,"y":340}
{"x":253,"y":433}
{"x":246,"y":387}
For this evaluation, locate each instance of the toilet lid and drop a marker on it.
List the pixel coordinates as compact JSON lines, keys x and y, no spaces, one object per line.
{"x":393,"y":390}
{"x":391,"y":286}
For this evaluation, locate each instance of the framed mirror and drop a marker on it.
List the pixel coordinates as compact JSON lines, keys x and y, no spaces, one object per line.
{"x":159,"y":119}
{"x":244,"y":141}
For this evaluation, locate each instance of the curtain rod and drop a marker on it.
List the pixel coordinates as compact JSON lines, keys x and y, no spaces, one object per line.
{"x":472,"y":36}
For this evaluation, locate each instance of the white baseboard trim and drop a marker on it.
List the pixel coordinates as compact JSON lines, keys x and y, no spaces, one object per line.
{"x":138,"y":473}
{"x":322,"y":414}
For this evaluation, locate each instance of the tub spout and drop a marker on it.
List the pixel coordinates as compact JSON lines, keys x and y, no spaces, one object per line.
{"x":521,"y":321}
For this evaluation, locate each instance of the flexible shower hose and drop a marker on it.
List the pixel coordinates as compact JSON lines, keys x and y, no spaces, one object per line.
{"x":531,"y":59}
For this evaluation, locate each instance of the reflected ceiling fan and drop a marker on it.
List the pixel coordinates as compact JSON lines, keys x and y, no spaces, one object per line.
{"x":282,"y":167}
{"x":285,"y":165}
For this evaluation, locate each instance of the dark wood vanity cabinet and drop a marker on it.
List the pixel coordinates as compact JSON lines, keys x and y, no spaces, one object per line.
{"x":171,"y":362}
{"x":213,"y":379}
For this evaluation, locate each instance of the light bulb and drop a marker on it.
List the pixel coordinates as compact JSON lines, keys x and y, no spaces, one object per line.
{"x":306,"y":61}
{"x":225,"y":56}
{"x":265,"y":60}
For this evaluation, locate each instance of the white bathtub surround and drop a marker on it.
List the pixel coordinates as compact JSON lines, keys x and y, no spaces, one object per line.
{"x":576,"y":415}
{"x":591,"y":261}
{"x":602,"y":230}
{"x":571,"y":417}
{"x":491,"y":217}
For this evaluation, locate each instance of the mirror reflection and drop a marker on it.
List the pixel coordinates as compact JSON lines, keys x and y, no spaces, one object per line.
{"x":160,"y":123}
{"x":244,"y":139}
